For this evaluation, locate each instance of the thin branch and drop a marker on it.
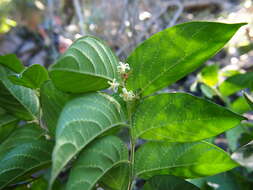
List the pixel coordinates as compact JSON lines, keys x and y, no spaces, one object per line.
{"x":50,"y":20}
{"x":180,"y":9}
{"x":80,"y":16}
{"x":124,"y":18}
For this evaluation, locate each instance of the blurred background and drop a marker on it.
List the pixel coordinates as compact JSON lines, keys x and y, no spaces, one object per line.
{"x":39,"y":31}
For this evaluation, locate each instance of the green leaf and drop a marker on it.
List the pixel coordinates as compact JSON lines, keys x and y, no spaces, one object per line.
{"x":23,"y":159}
{"x":86,"y":66}
{"x":224,"y":181}
{"x":244,"y":155}
{"x":12,"y":62}
{"x":95,"y":161}
{"x":236,"y":82}
{"x":20,"y":101}
{"x":188,"y":160}
{"x":32,"y":77}
{"x":240,"y":105}
{"x":210,"y":75}
{"x":173,"y":53}
{"x":7,"y":124}
{"x":117,"y":178}
{"x":52,"y":103}
{"x":249,"y":100}
{"x":180,"y":117}
{"x":81,"y":121}
{"x":164,"y":182}
{"x":22,"y":135}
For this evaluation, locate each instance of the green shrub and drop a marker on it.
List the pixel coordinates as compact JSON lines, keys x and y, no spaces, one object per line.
{"x":74,"y":125}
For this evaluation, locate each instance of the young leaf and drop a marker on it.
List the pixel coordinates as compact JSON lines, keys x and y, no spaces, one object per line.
{"x":20,"y":101}
{"x":188,"y":160}
{"x":117,"y":178}
{"x":32,"y":77}
{"x":249,"y":100}
{"x":169,"y":183}
{"x":86,"y":66}
{"x":52,"y":103}
{"x":236,"y":83}
{"x":21,"y":135}
{"x":95,"y":161}
{"x":81,"y":121}
{"x":23,"y":159}
{"x":173,"y":53}
{"x":12,"y":62}
{"x":180,"y":117}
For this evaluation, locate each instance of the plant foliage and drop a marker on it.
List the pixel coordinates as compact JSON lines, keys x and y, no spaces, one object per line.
{"x":74,"y":126}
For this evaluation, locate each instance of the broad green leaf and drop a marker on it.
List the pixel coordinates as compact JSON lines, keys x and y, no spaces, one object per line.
{"x":7,"y":124}
{"x":86,"y":66}
{"x":32,"y":77}
{"x":12,"y":62}
{"x":244,"y":155}
{"x":173,"y":53}
{"x":22,"y":135}
{"x":240,"y":105}
{"x":52,"y":103}
{"x":17,"y":100}
{"x":210,"y":75}
{"x":249,"y":100}
{"x":170,"y":182}
{"x":23,"y":159}
{"x":117,"y":178}
{"x":180,"y":117}
{"x":188,"y":160}
{"x":80,"y":122}
{"x":95,"y":161}
{"x":236,"y":83}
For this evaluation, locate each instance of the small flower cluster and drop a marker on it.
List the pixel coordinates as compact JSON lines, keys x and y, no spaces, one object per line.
{"x":123,"y":68}
{"x":127,"y":95}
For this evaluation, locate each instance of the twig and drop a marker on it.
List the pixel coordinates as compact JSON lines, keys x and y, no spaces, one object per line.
{"x":79,"y":16}
{"x":154,"y":20}
{"x":180,"y":9}
{"x":124,"y":18}
{"x":50,"y":17}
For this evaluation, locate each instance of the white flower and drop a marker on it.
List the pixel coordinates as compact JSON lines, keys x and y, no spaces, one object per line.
{"x":113,"y":85}
{"x":127,"y":95}
{"x":123,"y":67}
